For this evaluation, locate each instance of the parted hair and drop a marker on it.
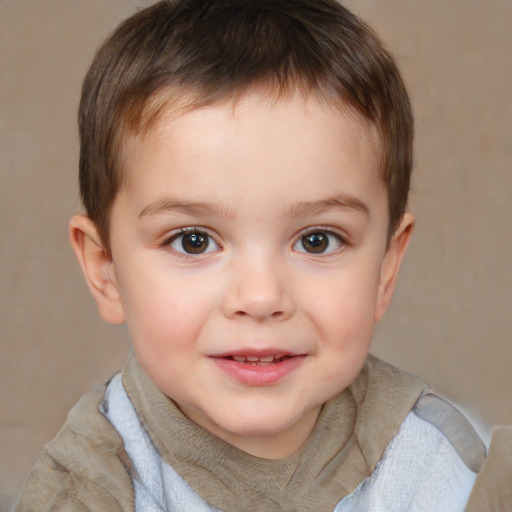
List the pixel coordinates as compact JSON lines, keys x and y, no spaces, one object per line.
{"x":197,"y":52}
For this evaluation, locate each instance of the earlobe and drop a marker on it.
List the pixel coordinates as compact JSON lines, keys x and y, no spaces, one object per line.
{"x":98,"y":268}
{"x":391,"y":264}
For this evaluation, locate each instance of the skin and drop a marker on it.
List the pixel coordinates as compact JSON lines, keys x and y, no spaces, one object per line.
{"x":254,"y":180}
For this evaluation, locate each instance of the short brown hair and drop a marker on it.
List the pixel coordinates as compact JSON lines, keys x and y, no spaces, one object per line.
{"x":210,"y":50}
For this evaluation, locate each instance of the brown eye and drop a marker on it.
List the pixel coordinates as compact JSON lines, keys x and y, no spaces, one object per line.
{"x":318,"y":242}
{"x":315,"y":242}
{"x":193,"y":242}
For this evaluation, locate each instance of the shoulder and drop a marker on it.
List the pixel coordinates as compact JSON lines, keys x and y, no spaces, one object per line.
{"x":433,"y":460}
{"x":454,"y":427}
{"x":436,"y":414}
{"x":435,"y":455}
{"x":426,"y":466}
{"x":85,"y":468}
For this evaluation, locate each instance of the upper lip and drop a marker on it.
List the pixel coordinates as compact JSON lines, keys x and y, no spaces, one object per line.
{"x":254,"y":352}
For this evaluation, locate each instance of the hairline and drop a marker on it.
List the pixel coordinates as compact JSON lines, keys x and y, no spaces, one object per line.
{"x":175,"y":101}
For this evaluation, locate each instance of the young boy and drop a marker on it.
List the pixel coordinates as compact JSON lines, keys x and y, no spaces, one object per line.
{"x":245,"y":167}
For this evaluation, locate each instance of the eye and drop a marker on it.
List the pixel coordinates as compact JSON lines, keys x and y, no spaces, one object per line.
{"x":192,"y":242}
{"x":318,"y":242}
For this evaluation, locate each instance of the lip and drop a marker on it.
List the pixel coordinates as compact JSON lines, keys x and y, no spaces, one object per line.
{"x":258,"y":375}
{"x":257,"y":352}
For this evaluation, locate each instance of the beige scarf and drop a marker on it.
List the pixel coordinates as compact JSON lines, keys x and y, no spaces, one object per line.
{"x":351,"y":434}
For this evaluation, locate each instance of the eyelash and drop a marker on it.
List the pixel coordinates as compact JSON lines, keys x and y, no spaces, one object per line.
{"x":182,"y":232}
{"x":341,"y":240}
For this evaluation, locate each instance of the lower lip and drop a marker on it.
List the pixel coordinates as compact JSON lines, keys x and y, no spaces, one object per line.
{"x":259,"y":375}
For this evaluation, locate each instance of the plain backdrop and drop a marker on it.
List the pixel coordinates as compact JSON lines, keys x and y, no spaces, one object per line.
{"x":450,"y":321}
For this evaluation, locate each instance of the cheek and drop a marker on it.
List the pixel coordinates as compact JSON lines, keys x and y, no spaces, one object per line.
{"x":165,"y":311}
{"x":344,"y":319}
{"x":345,"y":304}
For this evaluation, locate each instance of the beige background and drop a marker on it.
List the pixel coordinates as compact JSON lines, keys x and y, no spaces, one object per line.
{"x":450,"y":321}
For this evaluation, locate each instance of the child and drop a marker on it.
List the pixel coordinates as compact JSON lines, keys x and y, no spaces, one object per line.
{"x":245,"y":167}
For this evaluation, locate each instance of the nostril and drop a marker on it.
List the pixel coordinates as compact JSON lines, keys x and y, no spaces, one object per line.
{"x":275,"y":314}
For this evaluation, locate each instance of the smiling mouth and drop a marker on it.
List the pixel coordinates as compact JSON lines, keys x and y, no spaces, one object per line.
{"x":257,"y":361}
{"x":259,"y":368}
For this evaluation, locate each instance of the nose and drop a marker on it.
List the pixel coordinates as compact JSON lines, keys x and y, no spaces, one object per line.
{"x":259,"y":290}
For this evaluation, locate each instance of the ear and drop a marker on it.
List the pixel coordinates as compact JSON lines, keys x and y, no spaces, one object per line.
{"x":391,"y":264}
{"x":98,"y":268}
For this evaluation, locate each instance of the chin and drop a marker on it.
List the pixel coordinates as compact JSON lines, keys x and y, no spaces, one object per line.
{"x":260,"y":426}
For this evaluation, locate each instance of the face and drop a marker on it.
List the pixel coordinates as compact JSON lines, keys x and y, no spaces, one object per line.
{"x":248,"y":248}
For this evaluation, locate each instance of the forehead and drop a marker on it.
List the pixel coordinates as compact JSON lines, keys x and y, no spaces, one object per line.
{"x":264,"y":116}
{"x":293,"y":136}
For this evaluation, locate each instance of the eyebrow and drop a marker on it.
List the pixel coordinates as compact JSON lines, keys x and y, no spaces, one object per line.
{"x":345,"y":202}
{"x":301,"y":208}
{"x":193,"y":208}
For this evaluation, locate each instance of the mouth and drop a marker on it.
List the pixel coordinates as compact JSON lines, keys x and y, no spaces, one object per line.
{"x":258,"y":368}
{"x":258,"y":360}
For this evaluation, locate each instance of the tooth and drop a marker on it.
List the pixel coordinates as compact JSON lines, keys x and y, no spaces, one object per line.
{"x":267,"y":359}
{"x":252,"y":359}
{"x":240,"y":359}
